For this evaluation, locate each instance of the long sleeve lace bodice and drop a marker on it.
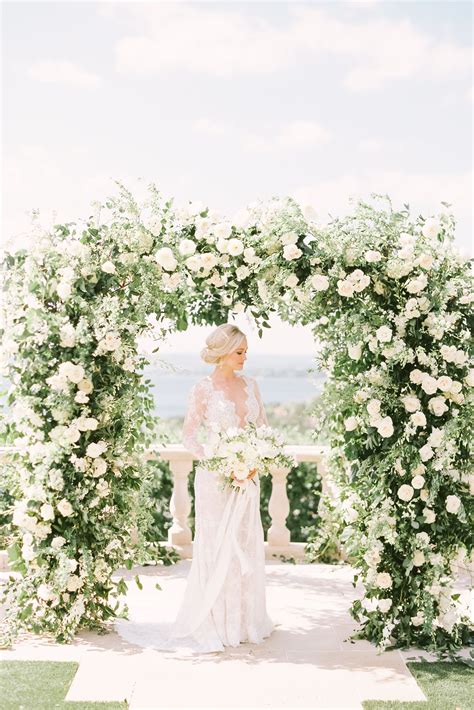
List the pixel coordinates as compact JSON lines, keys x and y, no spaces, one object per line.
{"x":209,"y":407}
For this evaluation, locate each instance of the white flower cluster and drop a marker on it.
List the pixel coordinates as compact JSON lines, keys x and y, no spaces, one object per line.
{"x":237,"y":455}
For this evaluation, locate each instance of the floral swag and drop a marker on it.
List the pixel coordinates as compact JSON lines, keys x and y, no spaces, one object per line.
{"x":386,"y":295}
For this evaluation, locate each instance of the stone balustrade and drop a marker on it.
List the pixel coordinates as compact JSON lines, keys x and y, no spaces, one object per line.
{"x":181,"y":463}
{"x":278,"y":536}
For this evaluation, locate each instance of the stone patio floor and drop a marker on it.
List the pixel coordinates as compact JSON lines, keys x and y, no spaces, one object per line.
{"x":306,"y":662}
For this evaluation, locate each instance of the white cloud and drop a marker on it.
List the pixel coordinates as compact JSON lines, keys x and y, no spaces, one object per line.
{"x":423,"y":191}
{"x":209,"y":127}
{"x":295,"y":135}
{"x":371,"y":145}
{"x":226,"y":41}
{"x":53,"y":72}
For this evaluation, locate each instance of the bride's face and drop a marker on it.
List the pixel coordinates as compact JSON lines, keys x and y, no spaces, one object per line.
{"x":236,"y":359}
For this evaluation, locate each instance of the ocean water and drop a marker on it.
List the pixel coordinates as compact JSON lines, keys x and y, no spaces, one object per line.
{"x":282,"y":379}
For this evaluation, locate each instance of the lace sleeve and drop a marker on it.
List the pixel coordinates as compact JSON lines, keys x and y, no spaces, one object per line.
{"x":193,"y":419}
{"x":262,"y":415}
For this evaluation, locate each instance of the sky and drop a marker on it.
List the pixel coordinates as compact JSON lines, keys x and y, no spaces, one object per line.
{"x":230,"y":102}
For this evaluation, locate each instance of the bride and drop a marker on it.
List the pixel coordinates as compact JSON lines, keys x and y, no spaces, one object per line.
{"x":224,"y":603}
{"x":224,"y":600}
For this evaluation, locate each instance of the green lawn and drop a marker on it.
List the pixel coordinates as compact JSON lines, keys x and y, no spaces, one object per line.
{"x":42,"y":685}
{"x":447,"y":686}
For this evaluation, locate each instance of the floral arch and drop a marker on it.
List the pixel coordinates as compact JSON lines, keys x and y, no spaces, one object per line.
{"x":386,"y":294}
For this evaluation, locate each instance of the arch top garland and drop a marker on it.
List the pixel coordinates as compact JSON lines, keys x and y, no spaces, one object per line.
{"x":386,"y":294}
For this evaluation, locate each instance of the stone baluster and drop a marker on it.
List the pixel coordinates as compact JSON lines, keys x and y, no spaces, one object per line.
{"x":278,"y":534}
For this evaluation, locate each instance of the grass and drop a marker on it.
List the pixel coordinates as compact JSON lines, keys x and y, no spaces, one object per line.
{"x":447,"y":686}
{"x":42,"y":685}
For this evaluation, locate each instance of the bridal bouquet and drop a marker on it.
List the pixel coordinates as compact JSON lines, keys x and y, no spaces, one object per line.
{"x":237,"y":455}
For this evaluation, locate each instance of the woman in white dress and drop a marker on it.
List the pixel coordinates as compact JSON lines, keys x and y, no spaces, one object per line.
{"x":224,"y":602}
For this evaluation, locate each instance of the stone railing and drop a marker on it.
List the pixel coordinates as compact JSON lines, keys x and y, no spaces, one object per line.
{"x":181,"y":463}
{"x":278,"y":536}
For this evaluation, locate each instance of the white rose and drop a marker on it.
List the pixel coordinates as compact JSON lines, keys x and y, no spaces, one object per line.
{"x":249,"y":255}
{"x":242,"y":272}
{"x":58,"y":542}
{"x":187,"y":247}
{"x":320,"y":282}
{"x":438,"y":406}
{"x":426,"y":452}
{"x":418,"y":482}
{"x":67,"y":336}
{"x":108,"y":267}
{"x":418,"y":419}
{"x":405,"y":492}
{"x":44,"y":592}
{"x":373,"y":407}
{"x":416,"y":376}
{"x":95,"y":450}
{"x":85,"y":385}
{"x":418,"y":619}
{"x":411,"y":403}
{"x":453,"y":503}
{"x":383,"y":580}
{"x":469,"y":379}
{"x":355,"y":351}
{"x":436,"y":437}
{"x":429,"y":515}
{"x":47,"y":511}
{"x":425,"y":261}
{"x":372,"y":256}
{"x":384,"y":605}
{"x":418,"y":558}
{"x":431,"y":228}
{"x":429,"y":384}
{"x":291,"y":251}
{"x":221,"y":245}
{"x":235,"y":247}
{"x":291,"y":281}
{"x":64,"y":507}
{"x":385,"y":427}
{"x":384,"y":334}
{"x":165,"y":258}
{"x":72,"y":372}
{"x":222,"y":230}
{"x":350,"y":423}
{"x":64,"y":290}
{"x":444,"y":383}
{"x":289,"y":238}
{"x":417,"y":284}
{"x":99,"y":466}
{"x":345,"y":288}
{"x":456,"y":387}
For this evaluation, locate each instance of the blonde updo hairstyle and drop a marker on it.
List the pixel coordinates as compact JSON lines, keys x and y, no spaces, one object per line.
{"x":223,"y":340}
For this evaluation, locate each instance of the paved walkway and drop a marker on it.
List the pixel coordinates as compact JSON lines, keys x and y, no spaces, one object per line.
{"x":306,"y":662}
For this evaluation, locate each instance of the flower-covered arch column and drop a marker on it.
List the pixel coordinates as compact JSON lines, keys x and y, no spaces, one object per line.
{"x":385,"y":294}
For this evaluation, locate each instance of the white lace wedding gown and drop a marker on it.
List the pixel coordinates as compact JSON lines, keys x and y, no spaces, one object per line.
{"x":224,"y":603}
